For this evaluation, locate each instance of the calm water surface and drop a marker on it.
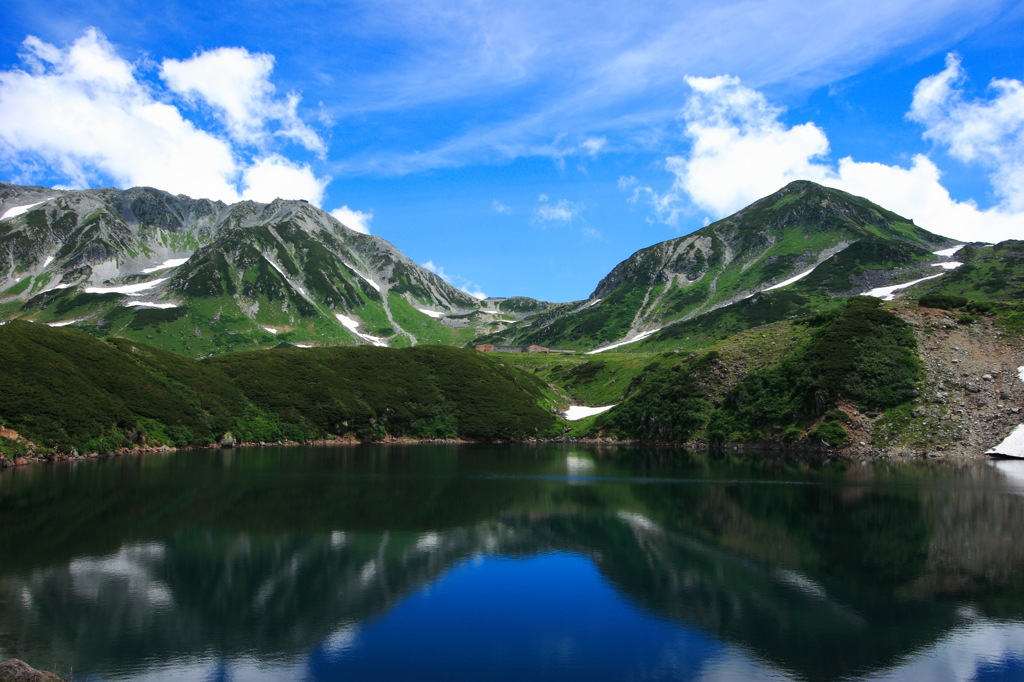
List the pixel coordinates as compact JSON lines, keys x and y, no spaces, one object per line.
{"x":511,"y":563}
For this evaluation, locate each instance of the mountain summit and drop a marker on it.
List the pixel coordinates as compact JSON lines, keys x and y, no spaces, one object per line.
{"x":804,"y":232}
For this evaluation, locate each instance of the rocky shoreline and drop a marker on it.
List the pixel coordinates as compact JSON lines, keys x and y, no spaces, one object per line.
{"x":811,"y":453}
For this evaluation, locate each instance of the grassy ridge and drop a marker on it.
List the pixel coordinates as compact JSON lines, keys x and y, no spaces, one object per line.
{"x":859,"y":353}
{"x":66,"y":390}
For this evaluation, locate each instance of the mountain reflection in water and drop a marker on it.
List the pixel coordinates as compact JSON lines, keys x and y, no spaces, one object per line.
{"x":511,"y":562}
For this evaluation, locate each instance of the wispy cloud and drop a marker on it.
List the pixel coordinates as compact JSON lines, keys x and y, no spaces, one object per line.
{"x":741,"y":150}
{"x":500,"y":207}
{"x":592,"y":76}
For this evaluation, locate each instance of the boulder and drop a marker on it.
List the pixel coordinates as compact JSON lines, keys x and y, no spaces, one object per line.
{"x":13,"y":670}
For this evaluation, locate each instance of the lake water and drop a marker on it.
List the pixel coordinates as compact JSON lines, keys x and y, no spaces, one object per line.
{"x":511,"y":563}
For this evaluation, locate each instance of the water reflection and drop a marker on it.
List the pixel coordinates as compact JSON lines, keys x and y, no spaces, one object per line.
{"x":524,"y":562}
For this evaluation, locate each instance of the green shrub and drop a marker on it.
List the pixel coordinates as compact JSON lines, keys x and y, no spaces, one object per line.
{"x":942,"y":301}
{"x":830,"y":432}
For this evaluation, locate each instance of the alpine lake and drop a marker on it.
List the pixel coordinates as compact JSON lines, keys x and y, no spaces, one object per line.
{"x":511,"y":562}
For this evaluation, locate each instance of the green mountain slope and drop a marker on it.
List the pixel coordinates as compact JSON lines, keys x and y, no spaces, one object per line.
{"x":990,"y":272}
{"x":841,"y":244}
{"x":860,"y":354}
{"x":67,"y":390}
{"x":201,"y":277}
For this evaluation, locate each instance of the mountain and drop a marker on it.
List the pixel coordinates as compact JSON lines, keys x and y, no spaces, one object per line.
{"x":201,"y":277}
{"x":822,"y":242}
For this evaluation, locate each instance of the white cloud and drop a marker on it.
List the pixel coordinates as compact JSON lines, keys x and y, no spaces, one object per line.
{"x":86,"y":114}
{"x":82,"y":111}
{"x":353,"y":219}
{"x":236,"y":83}
{"x":276,"y":177}
{"x":500,"y":207}
{"x":741,"y":150}
{"x":594,"y":145}
{"x":563,"y":211}
{"x":987,"y":132}
{"x":458,"y":281}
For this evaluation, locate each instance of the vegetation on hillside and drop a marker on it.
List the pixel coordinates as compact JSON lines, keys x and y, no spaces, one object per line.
{"x":859,"y":354}
{"x":66,"y":390}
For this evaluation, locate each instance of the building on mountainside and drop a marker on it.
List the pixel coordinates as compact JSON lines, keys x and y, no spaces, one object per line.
{"x":532,"y":348}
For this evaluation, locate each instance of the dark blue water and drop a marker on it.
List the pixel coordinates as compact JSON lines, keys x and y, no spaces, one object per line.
{"x":511,"y":563}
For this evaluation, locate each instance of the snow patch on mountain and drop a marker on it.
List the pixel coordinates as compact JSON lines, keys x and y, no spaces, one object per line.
{"x":353,"y":327}
{"x":128,"y":289}
{"x":889,"y":293}
{"x":432,"y":313}
{"x":638,"y":337}
{"x":791,"y":280}
{"x":15,"y":211}
{"x":577,"y":412}
{"x":150,"y":304}
{"x":170,"y":263}
{"x":1012,"y":446}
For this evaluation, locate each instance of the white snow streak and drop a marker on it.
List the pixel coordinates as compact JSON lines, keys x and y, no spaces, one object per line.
{"x":47,"y":261}
{"x":55,"y":287}
{"x":368,"y":280}
{"x":1012,"y":446}
{"x":353,"y":327}
{"x":1020,"y":373}
{"x":285,"y":276}
{"x":15,"y":211}
{"x":301,"y":345}
{"x":577,"y":412}
{"x":170,"y":263}
{"x":431,"y":313}
{"x":948,"y":253}
{"x":889,"y":293}
{"x":638,"y":337}
{"x":64,"y":324}
{"x":790,"y":280}
{"x":951,"y":265}
{"x":269,"y":329}
{"x":148,"y":304}
{"x":129,"y":289}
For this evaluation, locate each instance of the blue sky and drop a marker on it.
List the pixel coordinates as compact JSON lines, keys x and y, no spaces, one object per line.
{"x":526,"y":148}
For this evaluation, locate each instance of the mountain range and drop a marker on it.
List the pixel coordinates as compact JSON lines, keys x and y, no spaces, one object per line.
{"x":201,"y":277}
{"x":752,"y":330}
